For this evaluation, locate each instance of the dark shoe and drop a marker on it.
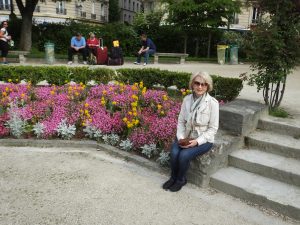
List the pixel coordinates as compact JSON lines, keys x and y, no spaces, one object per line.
{"x":168,"y":184}
{"x":177,"y":186}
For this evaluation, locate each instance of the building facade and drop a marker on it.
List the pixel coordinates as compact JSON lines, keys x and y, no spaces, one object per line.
{"x":61,"y":11}
{"x":128,"y":10}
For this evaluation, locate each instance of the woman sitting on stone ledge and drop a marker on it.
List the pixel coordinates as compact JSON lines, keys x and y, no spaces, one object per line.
{"x":198,"y":123}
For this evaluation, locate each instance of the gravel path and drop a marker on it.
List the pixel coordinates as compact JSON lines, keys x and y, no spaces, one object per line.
{"x":85,"y":187}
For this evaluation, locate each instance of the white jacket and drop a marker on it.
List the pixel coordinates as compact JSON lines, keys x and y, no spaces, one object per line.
{"x":206,"y":122}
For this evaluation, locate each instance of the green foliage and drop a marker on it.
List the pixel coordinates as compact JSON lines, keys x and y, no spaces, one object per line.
{"x":279,"y":112}
{"x":226,"y":89}
{"x":275,"y":49}
{"x":55,"y":74}
{"x":192,"y":14}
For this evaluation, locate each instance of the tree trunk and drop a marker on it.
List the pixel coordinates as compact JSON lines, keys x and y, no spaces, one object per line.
{"x":26,"y":31}
{"x":209,"y":44}
{"x":197,"y":47}
{"x":185,"y":44}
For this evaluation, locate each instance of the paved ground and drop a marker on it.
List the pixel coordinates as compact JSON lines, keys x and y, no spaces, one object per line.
{"x":72,"y":187}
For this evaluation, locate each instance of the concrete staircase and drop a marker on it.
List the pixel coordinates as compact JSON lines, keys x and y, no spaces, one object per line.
{"x":267,"y":170}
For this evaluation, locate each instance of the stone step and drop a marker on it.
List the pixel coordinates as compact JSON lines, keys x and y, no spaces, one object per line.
{"x":281,"y":126}
{"x":273,"y":166}
{"x":269,"y":193}
{"x":274,"y":143}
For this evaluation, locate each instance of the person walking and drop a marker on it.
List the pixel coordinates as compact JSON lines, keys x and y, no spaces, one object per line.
{"x":78,"y":45}
{"x":148,"y":48}
{"x":4,"y":39}
{"x":198,"y":122}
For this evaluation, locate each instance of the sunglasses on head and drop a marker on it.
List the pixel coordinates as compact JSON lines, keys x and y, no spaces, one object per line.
{"x":200,"y":84}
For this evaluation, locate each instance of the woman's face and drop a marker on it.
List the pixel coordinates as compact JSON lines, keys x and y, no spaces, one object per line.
{"x":199,"y":86}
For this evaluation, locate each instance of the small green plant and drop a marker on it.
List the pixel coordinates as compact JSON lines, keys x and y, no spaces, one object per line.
{"x":279,"y":112}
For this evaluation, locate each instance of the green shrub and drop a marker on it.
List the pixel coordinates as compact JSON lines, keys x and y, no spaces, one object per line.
{"x":226,"y":89}
{"x":279,"y":112}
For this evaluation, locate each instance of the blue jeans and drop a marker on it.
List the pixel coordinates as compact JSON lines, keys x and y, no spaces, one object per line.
{"x":146,"y":55}
{"x":181,"y":157}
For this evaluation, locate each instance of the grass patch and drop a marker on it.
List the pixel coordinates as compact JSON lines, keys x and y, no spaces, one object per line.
{"x":278,"y":112}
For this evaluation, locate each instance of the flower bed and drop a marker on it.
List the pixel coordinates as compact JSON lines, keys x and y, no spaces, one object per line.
{"x":128,"y":116}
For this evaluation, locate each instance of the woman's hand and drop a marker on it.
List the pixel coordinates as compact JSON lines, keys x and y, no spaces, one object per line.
{"x":193,"y":143}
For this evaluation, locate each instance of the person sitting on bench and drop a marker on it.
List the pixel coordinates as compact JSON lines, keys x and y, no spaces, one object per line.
{"x":77,"y":46}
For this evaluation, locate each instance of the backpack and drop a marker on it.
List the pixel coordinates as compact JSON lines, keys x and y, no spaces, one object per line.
{"x":116,"y":53}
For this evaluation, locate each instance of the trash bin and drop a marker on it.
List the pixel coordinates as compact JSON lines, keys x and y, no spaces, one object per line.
{"x":49,"y":52}
{"x":221,"y":50}
{"x":234,"y":58}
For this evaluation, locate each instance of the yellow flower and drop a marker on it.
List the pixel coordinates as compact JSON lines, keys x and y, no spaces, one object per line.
{"x":165,"y":97}
{"x":144,"y":90}
{"x":52,"y":92}
{"x":7,"y":89}
{"x":136,"y":84}
{"x":81,"y":110}
{"x":184,"y":93}
{"x":141,"y":85}
{"x":17,"y":80}
{"x":134,"y":104}
{"x":162,"y":113}
{"x":129,"y":125}
{"x":86,"y":105}
{"x":81,"y":84}
{"x":134,"y":109}
{"x":130,"y":113}
{"x":136,"y":122}
{"x":102,"y":98}
{"x":76,"y":93}
{"x":22,"y":95}
{"x":159,"y":106}
{"x":104,"y":92}
{"x":125,"y":119}
{"x":66,"y":81}
{"x":86,"y":111}
{"x":134,"y":97}
{"x":83,"y":124}
{"x":90,"y":120}
{"x":102,"y":102}
{"x":114,"y":102}
{"x":4,"y":93}
{"x":134,"y":113}
{"x":9,"y":80}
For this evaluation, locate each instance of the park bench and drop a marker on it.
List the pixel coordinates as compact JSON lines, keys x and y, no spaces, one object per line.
{"x":21,"y":55}
{"x":181,"y":55}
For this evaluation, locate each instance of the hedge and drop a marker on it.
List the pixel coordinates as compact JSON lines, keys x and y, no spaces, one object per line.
{"x":226,"y":89}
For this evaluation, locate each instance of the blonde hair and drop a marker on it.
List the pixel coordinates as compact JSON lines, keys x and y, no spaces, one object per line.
{"x":205,"y":76}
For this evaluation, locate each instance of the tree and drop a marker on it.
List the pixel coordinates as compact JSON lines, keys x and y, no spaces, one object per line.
{"x":114,"y":11}
{"x":26,"y":29}
{"x":194,"y":15}
{"x":275,"y":48}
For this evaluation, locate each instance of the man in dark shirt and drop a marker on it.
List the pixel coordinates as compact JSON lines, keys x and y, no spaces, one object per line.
{"x":148,"y":48}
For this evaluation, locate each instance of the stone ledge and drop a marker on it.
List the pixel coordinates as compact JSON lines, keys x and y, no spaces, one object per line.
{"x":241,"y":116}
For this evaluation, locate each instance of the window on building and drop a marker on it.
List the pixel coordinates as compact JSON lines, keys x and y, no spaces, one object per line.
{"x":60,"y":7}
{"x":129,"y":4}
{"x":125,"y":6}
{"x":255,"y":15}
{"x":235,"y":18}
{"x":137,"y":7}
{"x":129,"y":18}
{"x":102,"y":12}
{"x":133,"y":6}
{"x":4,"y":4}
